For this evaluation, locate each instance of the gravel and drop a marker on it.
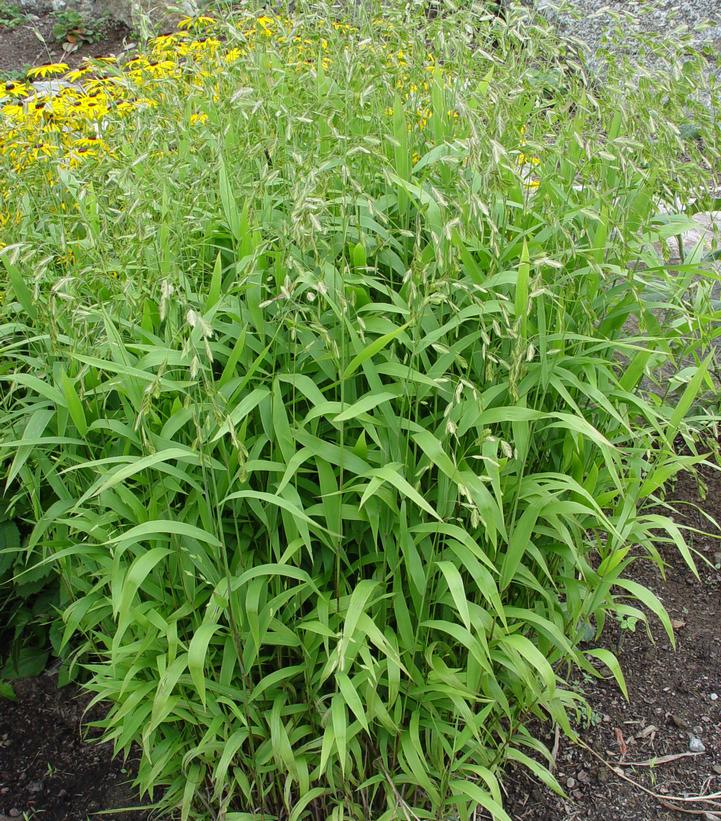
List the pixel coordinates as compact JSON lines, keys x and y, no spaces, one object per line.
{"x":590,"y":21}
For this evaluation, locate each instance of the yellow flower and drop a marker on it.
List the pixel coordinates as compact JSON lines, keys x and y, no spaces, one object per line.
{"x":14,"y":111}
{"x":91,"y":142}
{"x":48,"y":69}
{"x":208,"y":44}
{"x":266,"y":23}
{"x":526,"y":159}
{"x":196,"y":23}
{"x":11,"y":89}
{"x":78,"y":73}
{"x":233,"y":55}
{"x":198,"y":119}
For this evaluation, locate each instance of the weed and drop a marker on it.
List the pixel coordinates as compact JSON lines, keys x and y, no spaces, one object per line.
{"x":11,"y":15}
{"x":74,"y":28}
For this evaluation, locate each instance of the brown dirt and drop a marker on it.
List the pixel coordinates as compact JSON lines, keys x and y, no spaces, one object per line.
{"x":46,"y":769}
{"x":32,"y":44}
{"x":670,"y":695}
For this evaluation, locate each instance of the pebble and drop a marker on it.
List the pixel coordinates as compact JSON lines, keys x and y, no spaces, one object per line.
{"x":717,"y":769}
{"x":713,"y":696}
{"x":571,"y":783}
{"x":35,"y":786}
{"x":696,"y":745}
{"x":679,"y":722}
{"x":14,"y":813}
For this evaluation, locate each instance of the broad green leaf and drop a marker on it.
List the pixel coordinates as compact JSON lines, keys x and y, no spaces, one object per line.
{"x":351,"y":698}
{"x":243,"y":408}
{"x":608,"y":658}
{"x":364,"y":405}
{"x":197,"y":652}
{"x":371,"y":350}
{"x":688,"y":397}
{"x":157,"y":527}
{"x":645,"y":596}
{"x":481,"y":797}
{"x":74,"y":405}
{"x":457,"y":589}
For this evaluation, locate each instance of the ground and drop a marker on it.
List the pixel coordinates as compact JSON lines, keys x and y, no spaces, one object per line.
{"x":671,"y":694}
{"x":32,"y":43}
{"x":48,"y":771}
{"x":46,"y":768}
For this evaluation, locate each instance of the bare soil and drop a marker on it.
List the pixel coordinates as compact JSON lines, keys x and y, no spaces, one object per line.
{"x":32,"y":44}
{"x":48,"y":770}
{"x":671,"y":697}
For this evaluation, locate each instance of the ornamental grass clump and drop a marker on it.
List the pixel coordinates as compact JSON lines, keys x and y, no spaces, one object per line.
{"x":331,"y":408}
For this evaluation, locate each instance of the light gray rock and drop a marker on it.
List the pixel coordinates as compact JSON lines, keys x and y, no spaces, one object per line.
{"x":695,"y":745}
{"x":133,"y":13}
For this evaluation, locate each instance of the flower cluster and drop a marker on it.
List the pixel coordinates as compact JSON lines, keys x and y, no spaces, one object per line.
{"x":72,"y":119}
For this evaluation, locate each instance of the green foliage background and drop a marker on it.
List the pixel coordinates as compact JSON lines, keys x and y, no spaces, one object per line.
{"x":331,"y":412}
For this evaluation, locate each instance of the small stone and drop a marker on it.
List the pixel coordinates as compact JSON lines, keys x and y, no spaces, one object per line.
{"x":696,"y":745}
{"x":602,"y":775}
{"x":571,"y":783}
{"x":35,"y":786}
{"x":606,"y":718}
{"x":697,"y":730}
{"x":14,"y":813}
{"x":679,"y":722}
{"x":717,"y":769}
{"x":713,"y":696}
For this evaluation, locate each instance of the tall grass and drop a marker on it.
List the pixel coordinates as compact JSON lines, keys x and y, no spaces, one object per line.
{"x":323,"y":409}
